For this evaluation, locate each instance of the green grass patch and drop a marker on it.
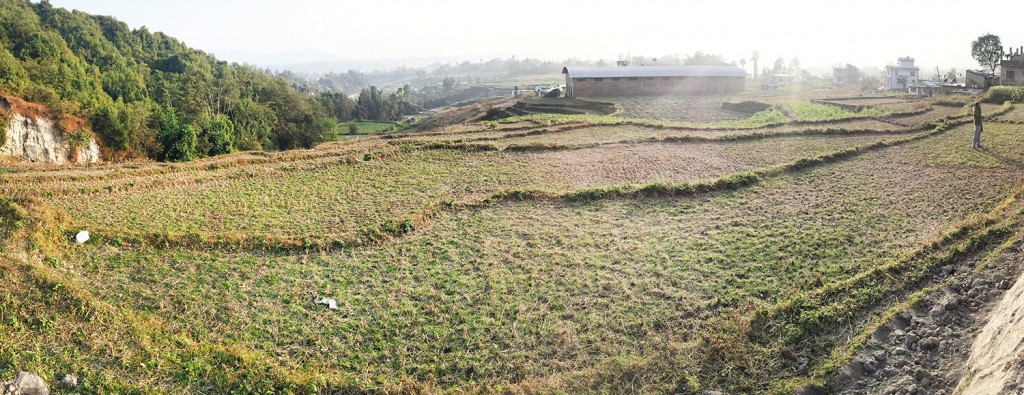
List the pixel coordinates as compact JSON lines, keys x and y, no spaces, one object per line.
{"x":369,"y":127}
{"x":1002,"y":94}
{"x":815,"y":112}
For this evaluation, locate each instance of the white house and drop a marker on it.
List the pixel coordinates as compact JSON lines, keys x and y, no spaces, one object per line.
{"x":896,"y":77}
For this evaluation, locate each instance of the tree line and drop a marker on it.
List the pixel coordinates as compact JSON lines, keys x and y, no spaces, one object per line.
{"x":146,"y":94}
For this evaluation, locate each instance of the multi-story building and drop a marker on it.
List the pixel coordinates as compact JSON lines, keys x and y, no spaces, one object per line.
{"x":848,"y":75}
{"x":896,"y":77}
{"x":1011,"y":68}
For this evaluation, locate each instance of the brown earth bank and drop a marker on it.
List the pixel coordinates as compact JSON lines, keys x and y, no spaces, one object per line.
{"x":925,"y":349}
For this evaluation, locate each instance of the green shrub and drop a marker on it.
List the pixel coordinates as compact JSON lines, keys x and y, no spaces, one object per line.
{"x":5,"y":118}
{"x":78,"y":138}
{"x":1002,"y":94}
{"x":767,"y":117}
{"x":219,"y":135}
{"x":688,"y":384}
{"x":952,"y":101}
{"x":5,"y":121}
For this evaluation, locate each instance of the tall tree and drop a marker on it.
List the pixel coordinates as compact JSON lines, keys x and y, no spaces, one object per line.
{"x":753,"y":58}
{"x":780,"y":65}
{"x":703,"y":59}
{"x":950,"y":75}
{"x":987,"y":50}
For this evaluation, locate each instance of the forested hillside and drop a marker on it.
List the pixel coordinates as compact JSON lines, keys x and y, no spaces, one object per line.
{"x":146,"y":94}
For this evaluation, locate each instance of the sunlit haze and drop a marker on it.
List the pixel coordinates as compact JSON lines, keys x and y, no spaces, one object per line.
{"x":820,"y":34}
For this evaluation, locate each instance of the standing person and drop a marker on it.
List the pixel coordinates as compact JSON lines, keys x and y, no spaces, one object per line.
{"x":977,"y":125}
{"x":515,"y":92}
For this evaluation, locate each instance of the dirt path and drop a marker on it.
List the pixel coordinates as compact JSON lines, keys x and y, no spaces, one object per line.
{"x":925,"y":349}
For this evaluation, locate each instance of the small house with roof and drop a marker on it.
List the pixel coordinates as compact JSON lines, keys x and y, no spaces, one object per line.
{"x":980,"y":79}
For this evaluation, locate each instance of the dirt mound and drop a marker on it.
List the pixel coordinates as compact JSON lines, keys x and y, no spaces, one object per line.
{"x":563,"y":106}
{"x":748,"y":106}
{"x":481,"y":110}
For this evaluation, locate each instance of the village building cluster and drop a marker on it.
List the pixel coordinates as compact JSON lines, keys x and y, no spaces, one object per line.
{"x":904,"y":75}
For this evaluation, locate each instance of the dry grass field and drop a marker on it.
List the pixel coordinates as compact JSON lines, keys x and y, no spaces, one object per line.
{"x":542,"y":254}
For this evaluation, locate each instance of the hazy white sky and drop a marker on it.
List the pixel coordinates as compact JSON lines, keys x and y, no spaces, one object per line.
{"x":822,"y":33}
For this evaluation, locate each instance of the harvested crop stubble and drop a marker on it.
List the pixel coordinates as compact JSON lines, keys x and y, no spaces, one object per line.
{"x":876,"y":101}
{"x":519,"y":291}
{"x":1001,"y":148}
{"x":50,"y":184}
{"x":338,"y":199}
{"x":657,"y":162}
{"x":903,"y":106}
{"x":1015,"y":116}
{"x":485,"y":134}
{"x":621,"y":133}
{"x":453,"y":131}
{"x":327,"y":152}
{"x":935,"y":113}
{"x":677,"y":109}
{"x":333,"y":200}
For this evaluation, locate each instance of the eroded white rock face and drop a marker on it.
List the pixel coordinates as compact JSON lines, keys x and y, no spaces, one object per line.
{"x":40,"y":140}
{"x":996,"y":364}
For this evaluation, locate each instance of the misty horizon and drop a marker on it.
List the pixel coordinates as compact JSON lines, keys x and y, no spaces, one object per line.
{"x":402,"y":33}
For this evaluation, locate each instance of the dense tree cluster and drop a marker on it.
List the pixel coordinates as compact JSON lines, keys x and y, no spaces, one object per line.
{"x":147,"y":94}
{"x":372,"y":104}
{"x":430,"y":82}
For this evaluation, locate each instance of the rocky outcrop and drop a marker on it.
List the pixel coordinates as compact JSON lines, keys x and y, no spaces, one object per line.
{"x":40,"y":140}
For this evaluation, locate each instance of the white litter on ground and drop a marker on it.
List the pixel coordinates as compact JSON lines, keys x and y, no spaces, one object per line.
{"x":331,"y":303}
{"x":82,"y":237}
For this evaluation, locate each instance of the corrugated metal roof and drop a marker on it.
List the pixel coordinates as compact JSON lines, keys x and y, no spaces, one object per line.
{"x":652,"y":71}
{"x":923,"y":84}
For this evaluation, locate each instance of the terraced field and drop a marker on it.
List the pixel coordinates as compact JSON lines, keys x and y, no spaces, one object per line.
{"x":617,"y":134}
{"x":573,"y":255}
{"x":334,"y":199}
